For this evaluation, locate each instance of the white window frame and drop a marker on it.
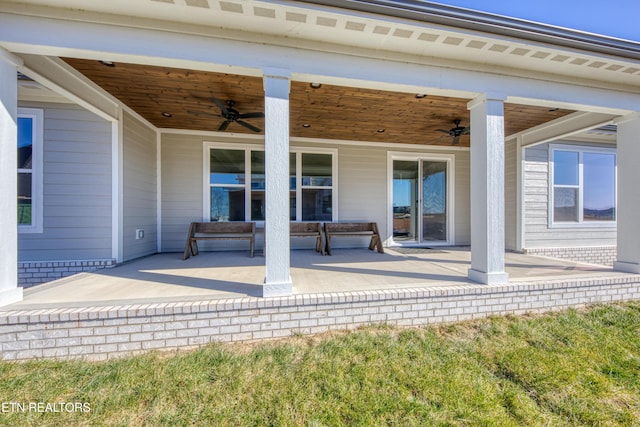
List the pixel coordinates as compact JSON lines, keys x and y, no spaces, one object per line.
{"x":580,"y":149}
{"x":248,"y":148}
{"x":450,"y":159}
{"x":37,"y":165}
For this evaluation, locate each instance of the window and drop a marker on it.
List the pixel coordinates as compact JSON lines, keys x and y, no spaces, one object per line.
{"x":583,"y":185}
{"x":29,"y":147}
{"x":236,"y":184}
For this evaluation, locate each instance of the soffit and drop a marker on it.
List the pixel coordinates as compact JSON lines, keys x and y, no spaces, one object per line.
{"x":291,"y":23}
{"x":332,"y":112}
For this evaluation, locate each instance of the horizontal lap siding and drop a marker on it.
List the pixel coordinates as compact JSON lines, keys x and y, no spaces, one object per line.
{"x":140,"y":189}
{"x":77,"y":187}
{"x":511,"y":195}
{"x":362,"y":190}
{"x":537,"y":231}
{"x":463,"y":198}
{"x":181,"y":188}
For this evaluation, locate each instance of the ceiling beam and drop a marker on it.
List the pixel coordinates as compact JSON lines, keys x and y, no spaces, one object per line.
{"x":61,"y":78}
{"x":563,"y":127}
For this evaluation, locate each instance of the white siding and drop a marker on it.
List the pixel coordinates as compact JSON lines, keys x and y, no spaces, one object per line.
{"x":77,"y":188}
{"x":538,"y":234}
{"x":140,"y":189}
{"x":362,"y":188}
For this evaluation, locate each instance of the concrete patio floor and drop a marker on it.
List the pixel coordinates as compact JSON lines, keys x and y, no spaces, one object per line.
{"x":221,"y":275}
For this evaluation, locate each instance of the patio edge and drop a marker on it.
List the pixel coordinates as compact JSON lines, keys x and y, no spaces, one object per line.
{"x":100,"y":333}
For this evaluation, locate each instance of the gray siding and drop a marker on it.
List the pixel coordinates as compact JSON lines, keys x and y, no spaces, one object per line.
{"x":463,"y":198}
{"x":140,"y":189}
{"x":538,"y":234}
{"x":362,"y":188}
{"x":77,"y":188}
{"x":511,"y":195}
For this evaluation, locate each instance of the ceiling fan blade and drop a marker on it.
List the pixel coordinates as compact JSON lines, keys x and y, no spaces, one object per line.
{"x":442,"y":130}
{"x":202,"y":113}
{"x":224,"y":126}
{"x":255,"y":115}
{"x":220,"y":105}
{"x":249,"y":126}
{"x":467,"y":131}
{"x":456,"y":140}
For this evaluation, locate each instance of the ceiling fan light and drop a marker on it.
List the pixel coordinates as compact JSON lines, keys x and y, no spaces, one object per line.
{"x":315,"y":85}
{"x":306,"y":125}
{"x":380,"y":130}
{"x":166,"y":114}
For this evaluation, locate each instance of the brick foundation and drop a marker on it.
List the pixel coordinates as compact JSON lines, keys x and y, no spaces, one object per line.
{"x":602,"y":255}
{"x":101,"y":333}
{"x":33,"y":273}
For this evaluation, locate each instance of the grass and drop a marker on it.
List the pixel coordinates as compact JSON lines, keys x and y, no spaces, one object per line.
{"x":579,"y":367}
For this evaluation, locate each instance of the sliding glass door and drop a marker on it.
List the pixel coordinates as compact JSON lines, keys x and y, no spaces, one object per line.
{"x":420,"y":201}
{"x":434,"y":201}
{"x":405,"y":200}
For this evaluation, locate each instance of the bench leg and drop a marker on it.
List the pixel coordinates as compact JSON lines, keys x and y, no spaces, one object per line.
{"x":379,"y":244}
{"x":372,"y":243}
{"x":328,"y":244}
{"x":191,"y":249}
{"x":252,"y":244}
{"x":376,"y":243}
{"x":319,"y":246}
{"x":187,"y":250}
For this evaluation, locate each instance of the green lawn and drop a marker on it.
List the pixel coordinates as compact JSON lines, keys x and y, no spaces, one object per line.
{"x":579,"y":367}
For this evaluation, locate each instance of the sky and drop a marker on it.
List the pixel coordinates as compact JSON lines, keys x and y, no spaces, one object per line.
{"x":614,"y":18}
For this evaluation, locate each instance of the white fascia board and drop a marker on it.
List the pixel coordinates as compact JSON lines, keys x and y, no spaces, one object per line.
{"x":563,"y":127}
{"x":56,"y":75}
{"x":147,"y":46}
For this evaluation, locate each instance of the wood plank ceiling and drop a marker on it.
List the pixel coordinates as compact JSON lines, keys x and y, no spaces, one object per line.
{"x":328,"y":112}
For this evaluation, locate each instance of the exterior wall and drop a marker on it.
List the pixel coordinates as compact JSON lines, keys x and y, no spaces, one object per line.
{"x":181,"y":157}
{"x":140,"y":189}
{"x":101,"y":333}
{"x":362,"y":189}
{"x":77,"y":188}
{"x":511,"y":195}
{"x":538,"y":234}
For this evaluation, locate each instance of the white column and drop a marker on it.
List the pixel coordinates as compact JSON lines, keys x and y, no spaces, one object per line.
{"x":628,"y":205}
{"x":9,"y":290}
{"x":487,"y":190}
{"x":276,"y":227}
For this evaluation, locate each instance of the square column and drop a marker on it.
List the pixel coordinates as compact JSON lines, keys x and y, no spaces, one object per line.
{"x":9,"y":290}
{"x":628,"y":209}
{"x":487,"y":190}
{"x":276,"y":157}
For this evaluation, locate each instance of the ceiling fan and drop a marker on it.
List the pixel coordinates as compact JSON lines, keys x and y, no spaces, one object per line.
{"x":230,"y":115}
{"x":457,"y":131}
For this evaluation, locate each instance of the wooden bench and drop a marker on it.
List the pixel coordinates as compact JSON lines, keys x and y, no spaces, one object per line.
{"x":219,"y":231}
{"x":333,"y":229}
{"x":308,"y":229}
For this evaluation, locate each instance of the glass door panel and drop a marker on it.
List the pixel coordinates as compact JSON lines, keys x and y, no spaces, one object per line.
{"x":405,"y":200}
{"x":434,"y":201}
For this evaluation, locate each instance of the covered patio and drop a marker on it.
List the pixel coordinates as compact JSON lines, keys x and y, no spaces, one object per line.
{"x":167,"y":278}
